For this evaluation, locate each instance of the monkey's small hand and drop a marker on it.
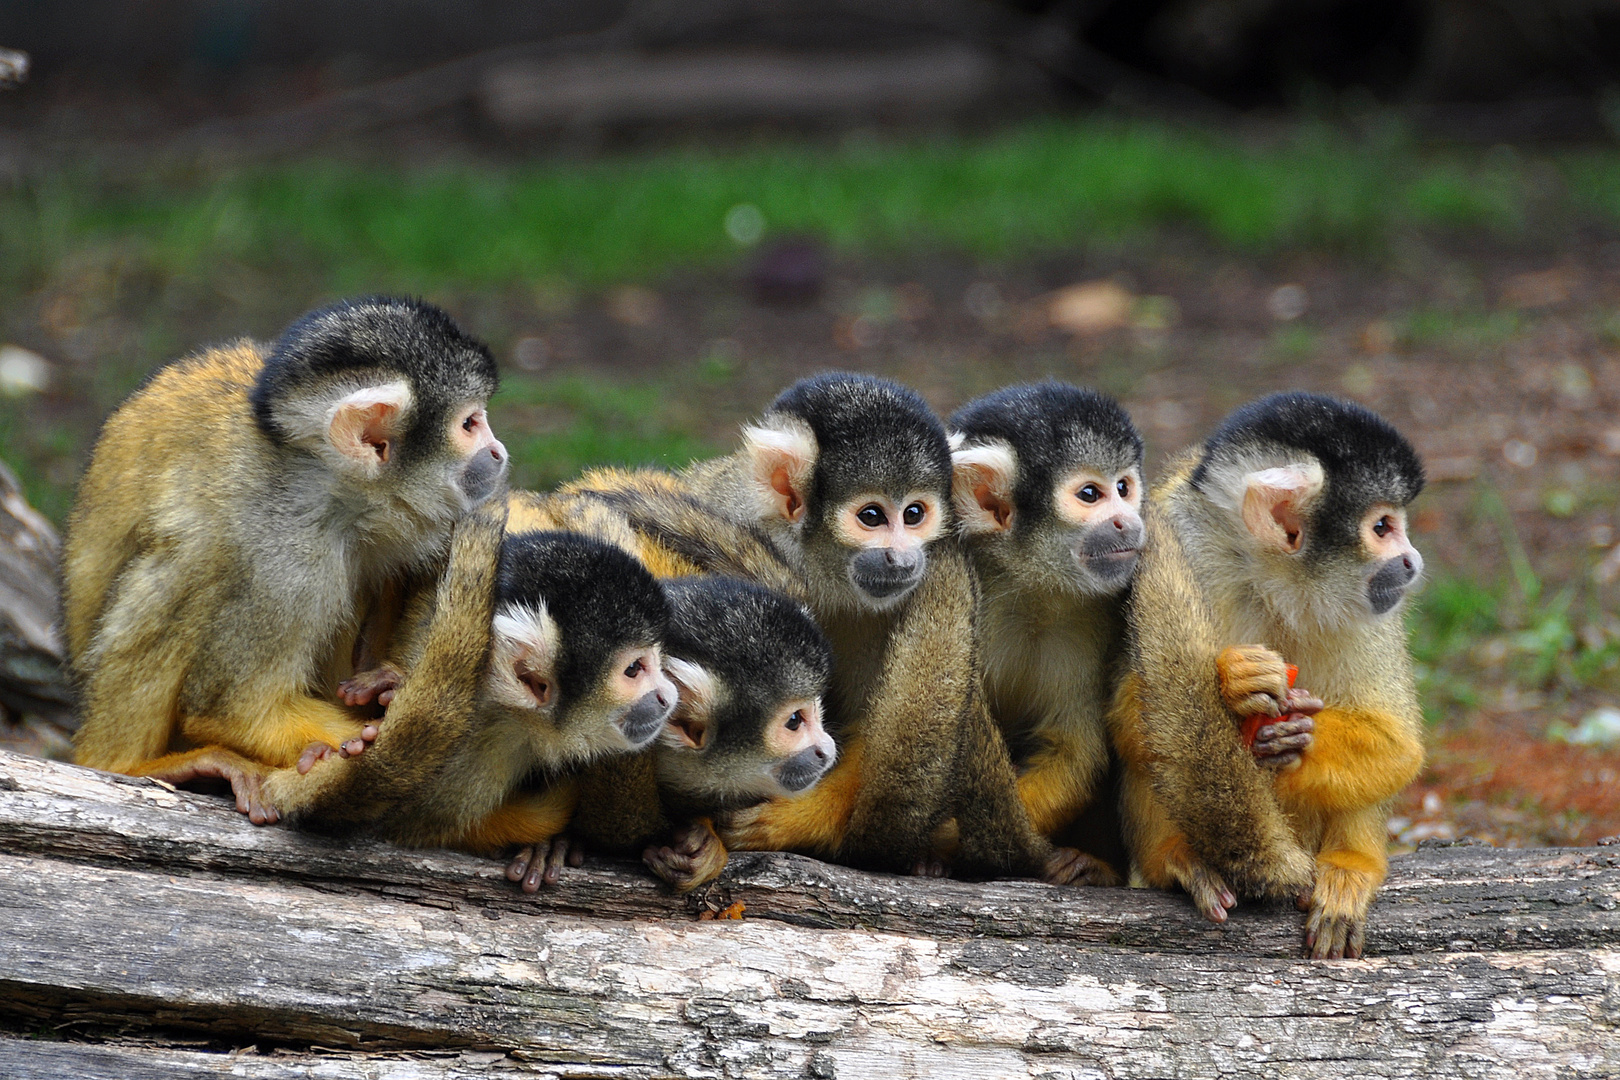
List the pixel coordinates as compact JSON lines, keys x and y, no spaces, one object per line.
{"x":694,"y":856}
{"x":542,"y":863}
{"x":1071,"y":866}
{"x":1254,"y":680}
{"x":377,"y":685}
{"x":1283,"y":744}
{"x":930,"y":866}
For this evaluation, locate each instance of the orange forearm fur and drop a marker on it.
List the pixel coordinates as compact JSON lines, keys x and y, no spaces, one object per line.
{"x":1358,"y":759}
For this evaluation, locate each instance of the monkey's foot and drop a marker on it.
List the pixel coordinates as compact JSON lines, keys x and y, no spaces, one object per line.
{"x":694,"y":856}
{"x":365,"y":687}
{"x":1071,"y":866}
{"x":1337,"y":926}
{"x":1209,"y":893}
{"x":930,"y":866}
{"x":245,"y":777}
{"x":1254,"y":680}
{"x":542,"y":863}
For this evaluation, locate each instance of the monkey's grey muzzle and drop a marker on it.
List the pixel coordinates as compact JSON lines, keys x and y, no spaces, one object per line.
{"x":884,"y":573}
{"x":642,"y":721}
{"x":483,"y":474}
{"x":803,"y":769}
{"x":1389,"y":584}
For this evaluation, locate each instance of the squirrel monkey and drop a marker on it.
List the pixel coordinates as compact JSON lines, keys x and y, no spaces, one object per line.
{"x":766,"y":644}
{"x":1287,"y":528}
{"x":1048,"y":487}
{"x":539,"y":653}
{"x":848,"y":478}
{"x":751,"y":666}
{"x":241,"y":515}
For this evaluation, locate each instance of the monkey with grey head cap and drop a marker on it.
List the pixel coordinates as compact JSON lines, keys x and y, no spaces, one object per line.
{"x":752,"y":667}
{"x":244,"y":513}
{"x":1048,"y":487}
{"x":1281,"y":540}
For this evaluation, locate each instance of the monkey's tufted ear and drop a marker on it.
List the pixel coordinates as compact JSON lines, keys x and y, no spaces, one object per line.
{"x":983,"y":477}
{"x":523,"y":656}
{"x":783,"y":452}
{"x":688,"y":725}
{"x":364,"y":425}
{"x":1275,"y":501}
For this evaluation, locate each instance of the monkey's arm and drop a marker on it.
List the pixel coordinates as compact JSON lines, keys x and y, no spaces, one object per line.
{"x":814,"y":823}
{"x":1060,"y":779}
{"x":431,"y":708}
{"x":529,"y":817}
{"x":1360,"y":757}
{"x":1182,"y":734}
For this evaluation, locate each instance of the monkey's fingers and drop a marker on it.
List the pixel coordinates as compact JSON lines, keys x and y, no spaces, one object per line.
{"x":1289,"y":737}
{"x":1303,"y":702}
{"x":1071,"y":866}
{"x":1209,"y":894}
{"x":315,"y":751}
{"x":1254,"y":679}
{"x":365,"y":687}
{"x":1328,"y":937}
{"x":930,"y":866}
{"x":695,"y":857}
{"x":538,"y":864}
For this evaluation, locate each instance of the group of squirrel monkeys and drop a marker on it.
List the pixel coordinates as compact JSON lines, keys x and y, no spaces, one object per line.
{"x":297,"y":568}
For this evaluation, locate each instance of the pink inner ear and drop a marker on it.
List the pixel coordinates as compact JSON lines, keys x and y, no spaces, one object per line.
{"x":1272,"y":515}
{"x":692,"y":731}
{"x":782,"y":484}
{"x":365,"y":432}
{"x":992,"y":503}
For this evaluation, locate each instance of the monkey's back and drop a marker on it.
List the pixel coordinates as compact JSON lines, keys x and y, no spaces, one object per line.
{"x":165,"y":466}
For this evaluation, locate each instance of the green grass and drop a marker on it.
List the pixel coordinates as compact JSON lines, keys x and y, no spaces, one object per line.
{"x":555,"y":428}
{"x":1039,"y":187}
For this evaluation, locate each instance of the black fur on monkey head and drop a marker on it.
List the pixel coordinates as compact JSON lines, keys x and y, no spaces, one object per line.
{"x":752,"y":666}
{"x":1318,"y":490}
{"x":859,"y":468}
{"x":389,"y":391}
{"x":579,"y":633}
{"x":1048,"y":480}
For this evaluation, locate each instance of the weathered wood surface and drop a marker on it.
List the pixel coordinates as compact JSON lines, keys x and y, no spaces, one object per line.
{"x":163,"y":925}
{"x":32,"y":681}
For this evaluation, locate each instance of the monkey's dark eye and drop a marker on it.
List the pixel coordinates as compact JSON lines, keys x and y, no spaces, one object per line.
{"x":872,"y":516}
{"x":795,"y":721}
{"x":915,"y":513}
{"x":1089,"y":494}
{"x":470,"y":423}
{"x":1124,"y":489}
{"x":634,"y":669}
{"x":1382,"y":526}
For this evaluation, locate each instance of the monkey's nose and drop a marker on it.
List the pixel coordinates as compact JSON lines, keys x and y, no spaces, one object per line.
{"x":662,"y":697}
{"x":1119,"y":523}
{"x":821,"y":755}
{"x":495,"y":451}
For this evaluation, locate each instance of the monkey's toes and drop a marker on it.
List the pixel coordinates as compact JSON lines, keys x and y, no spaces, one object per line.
{"x":930,"y":866}
{"x":315,"y":751}
{"x":1071,"y":866}
{"x":539,"y":864}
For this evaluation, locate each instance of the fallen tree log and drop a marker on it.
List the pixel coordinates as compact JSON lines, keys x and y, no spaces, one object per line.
{"x":151,"y":932}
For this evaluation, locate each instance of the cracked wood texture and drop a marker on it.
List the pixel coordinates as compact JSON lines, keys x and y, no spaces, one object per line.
{"x":155,"y":933}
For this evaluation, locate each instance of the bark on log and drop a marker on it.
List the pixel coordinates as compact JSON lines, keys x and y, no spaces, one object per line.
{"x":33,"y":683}
{"x":149,"y":931}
